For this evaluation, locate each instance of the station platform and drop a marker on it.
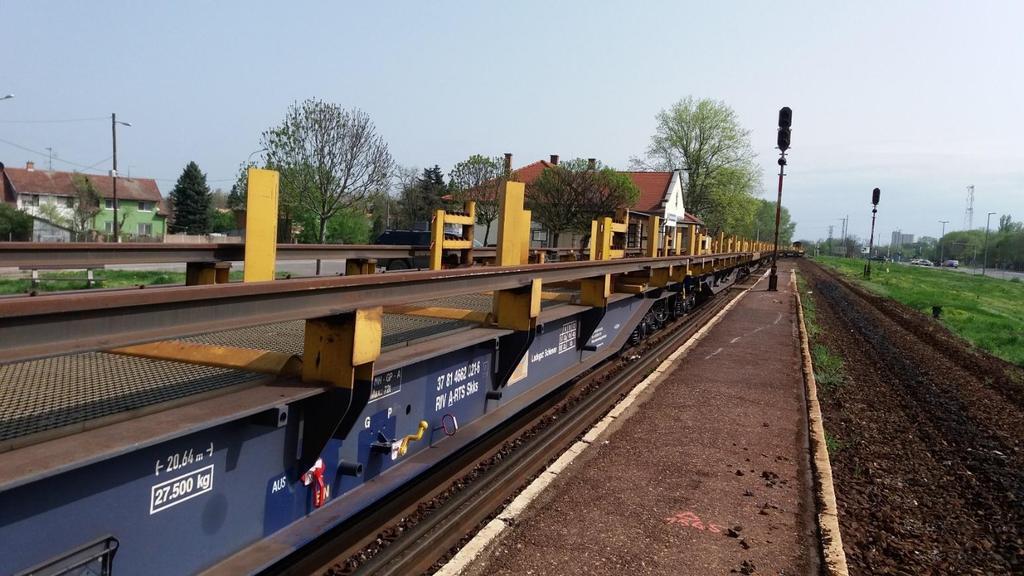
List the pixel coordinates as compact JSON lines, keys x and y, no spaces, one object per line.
{"x":706,"y":472}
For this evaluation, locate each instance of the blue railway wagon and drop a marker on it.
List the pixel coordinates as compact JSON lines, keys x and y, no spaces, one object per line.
{"x":210,"y":483}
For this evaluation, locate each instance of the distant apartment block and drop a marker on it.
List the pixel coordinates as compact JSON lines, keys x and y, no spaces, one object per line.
{"x":899,"y":239}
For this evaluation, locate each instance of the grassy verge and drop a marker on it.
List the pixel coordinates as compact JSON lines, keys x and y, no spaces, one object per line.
{"x":76,"y":280}
{"x":829,"y":374}
{"x":987,"y":312}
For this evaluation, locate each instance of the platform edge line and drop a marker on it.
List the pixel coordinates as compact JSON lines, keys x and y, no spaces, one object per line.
{"x":828,"y":510}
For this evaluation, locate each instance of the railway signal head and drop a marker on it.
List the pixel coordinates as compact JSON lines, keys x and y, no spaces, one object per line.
{"x":785,"y":121}
{"x":875,"y":195}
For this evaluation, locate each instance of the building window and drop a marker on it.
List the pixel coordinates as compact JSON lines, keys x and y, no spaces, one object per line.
{"x":69,"y":201}
{"x":30,"y":199}
{"x":145,"y":206}
{"x":108,"y":203}
{"x":108,"y":227}
{"x":145,"y":228}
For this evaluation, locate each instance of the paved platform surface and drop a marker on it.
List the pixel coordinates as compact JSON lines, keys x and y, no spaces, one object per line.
{"x":706,"y":474}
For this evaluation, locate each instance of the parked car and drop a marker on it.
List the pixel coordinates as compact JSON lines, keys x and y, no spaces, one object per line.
{"x":951,"y":263}
{"x":921,"y":262}
{"x":419,"y":258}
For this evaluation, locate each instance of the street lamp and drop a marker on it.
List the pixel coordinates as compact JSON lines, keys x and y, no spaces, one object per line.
{"x":941,"y":251}
{"x":984,"y":258}
{"x":113,"y":173}
{"x":876,"y":195}
{"x":785,"y":121}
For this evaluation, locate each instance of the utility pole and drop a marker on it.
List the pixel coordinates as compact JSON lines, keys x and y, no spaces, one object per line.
{"x":875,"y":196}
{"x":785,"y":121}
{"x":969,"y":212}
{"x":984,"y":259}
{"x":941,"y":251}
{"x":113,"y":173}
{"x":830,"y":253}
{"x":49,"y":159}
{"x":846,"y":252}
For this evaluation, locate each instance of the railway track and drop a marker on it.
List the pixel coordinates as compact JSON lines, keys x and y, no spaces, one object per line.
{"x":421,"y":526}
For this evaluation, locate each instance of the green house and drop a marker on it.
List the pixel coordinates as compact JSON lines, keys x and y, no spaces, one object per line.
{"x":142,"y":211}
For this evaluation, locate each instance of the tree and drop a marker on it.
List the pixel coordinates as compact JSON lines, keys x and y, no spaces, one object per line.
{"x":345,"y":227}
{"x":15,"y":225}
{"x":566,"y":197}
{"x":1008,"y":226}
{"x":240,"y":189}
{"x":222,"y":221}
{"x":479,"y":179}
{"x":704,"y":137}
{"x":421,"y":197}
{"x":762,"y":225}
{"x":191,"y":202}
{"x":87,"y":205}
{"x":330,"y":159}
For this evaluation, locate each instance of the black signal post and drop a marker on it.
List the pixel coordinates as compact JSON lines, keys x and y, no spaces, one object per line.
{"x":876,"y":194}
{"x":785,"y":121}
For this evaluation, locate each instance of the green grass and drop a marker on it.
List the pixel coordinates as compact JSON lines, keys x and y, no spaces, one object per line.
{"x":828,"y":368}
{"x":832,"y":444}
{"x":987,"y":312}
{"x":810,"y":311}
{"x":75,"y":280}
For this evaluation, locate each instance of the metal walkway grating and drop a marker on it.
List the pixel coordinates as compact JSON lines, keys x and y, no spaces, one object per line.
{"x":45,"y":395}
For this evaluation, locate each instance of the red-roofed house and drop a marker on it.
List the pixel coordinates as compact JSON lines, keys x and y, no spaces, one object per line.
{"x":140,"y":205}
{"x":661,"y":194}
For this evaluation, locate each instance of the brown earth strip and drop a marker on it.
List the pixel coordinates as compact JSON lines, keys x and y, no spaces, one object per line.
{"x":929,"y":471}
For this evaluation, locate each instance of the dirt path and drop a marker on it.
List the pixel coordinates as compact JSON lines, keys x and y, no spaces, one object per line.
{"x":929,"y":468}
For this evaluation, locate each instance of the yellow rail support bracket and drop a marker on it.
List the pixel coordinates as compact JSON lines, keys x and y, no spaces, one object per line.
{"x":513,"y":225}
{"x":359,"y":266}
{"x":262,"y":361}
{"x":197,"y":273}
{"x":596,"y":291}
{"x":654,"y":238}
{"x":518,"y":308}
{"x":261,"y":225}
{"x":340,"y":349}
{"x":439,"y":243}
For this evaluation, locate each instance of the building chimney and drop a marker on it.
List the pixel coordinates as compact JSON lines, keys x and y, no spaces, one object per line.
{"x":508,"y":162}
{"x":30,"y":166}
{"x":591,"y":163}
{"x":554,"y":159}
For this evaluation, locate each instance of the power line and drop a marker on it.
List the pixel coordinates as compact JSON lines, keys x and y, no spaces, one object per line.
{"x":44,"y":154}
{"x":95,"y":164}
{"x":63,"y":121}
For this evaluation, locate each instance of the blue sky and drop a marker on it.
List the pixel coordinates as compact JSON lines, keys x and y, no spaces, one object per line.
{"x":918,"y":98}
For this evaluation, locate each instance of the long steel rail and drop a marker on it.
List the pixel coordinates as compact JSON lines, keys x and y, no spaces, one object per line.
{"x":73,"y":255}
{"x":37,"y":327}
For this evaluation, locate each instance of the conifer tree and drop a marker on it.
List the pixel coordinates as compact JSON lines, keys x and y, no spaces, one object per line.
{"x":191,"y":202}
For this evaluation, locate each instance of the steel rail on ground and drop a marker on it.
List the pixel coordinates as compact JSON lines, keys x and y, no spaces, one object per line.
{"x":34,"y":327}
{"x":28,"y":255}
{"x":72,"y":255}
